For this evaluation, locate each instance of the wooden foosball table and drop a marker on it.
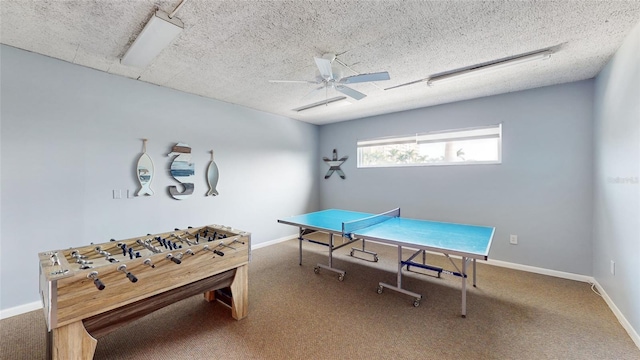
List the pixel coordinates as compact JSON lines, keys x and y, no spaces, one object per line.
{"x":92,"y":290}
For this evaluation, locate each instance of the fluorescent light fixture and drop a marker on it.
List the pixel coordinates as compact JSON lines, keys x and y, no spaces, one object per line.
{"x":483,"y":69}
{"x":320,"y":103}
{"x":156,"y":35}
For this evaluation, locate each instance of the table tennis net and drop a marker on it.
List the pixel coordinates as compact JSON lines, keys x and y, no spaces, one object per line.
{"x":355,"y":225}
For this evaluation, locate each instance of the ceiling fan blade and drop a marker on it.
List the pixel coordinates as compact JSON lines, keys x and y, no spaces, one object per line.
{"x":350,"y":92}
{"x":409,"y":83}
{"x":379,"y":76}
{"x":294,"y":81}
{"x":324,"y":65}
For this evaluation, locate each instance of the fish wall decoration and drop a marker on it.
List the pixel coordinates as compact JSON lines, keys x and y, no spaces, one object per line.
{"x":183,"y":170}
{"x":212,"y":177}
{"x":145,"y":171}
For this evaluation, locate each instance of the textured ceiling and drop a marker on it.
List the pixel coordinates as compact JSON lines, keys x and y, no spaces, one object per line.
{"x":229,"y":50}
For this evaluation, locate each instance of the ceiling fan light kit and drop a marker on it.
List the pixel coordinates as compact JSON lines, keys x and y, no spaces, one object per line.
{"x":157,"y":34}
{"x":483,"y":69}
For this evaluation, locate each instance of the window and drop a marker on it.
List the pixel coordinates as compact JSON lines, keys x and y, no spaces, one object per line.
{"x":481,"y":145}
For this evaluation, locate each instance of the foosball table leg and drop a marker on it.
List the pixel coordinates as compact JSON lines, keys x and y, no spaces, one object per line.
{"x":235,"y":296}
{"x":72,"y":342}
{"x":210,"y":295}
{"x":240,"y":293}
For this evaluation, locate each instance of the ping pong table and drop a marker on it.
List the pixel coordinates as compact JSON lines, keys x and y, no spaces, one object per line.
{"x":469,"y":242}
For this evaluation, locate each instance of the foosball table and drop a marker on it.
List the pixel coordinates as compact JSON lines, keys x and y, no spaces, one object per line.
{"x":92,"y":290}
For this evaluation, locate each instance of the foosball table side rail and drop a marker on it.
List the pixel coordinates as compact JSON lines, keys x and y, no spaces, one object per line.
{"x":102,"y":324}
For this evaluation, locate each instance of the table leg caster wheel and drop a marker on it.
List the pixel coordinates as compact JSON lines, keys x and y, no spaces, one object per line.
{"x":341,"y":277}
{"x":379,"y":289}
{"x":351,"y":253}
{"x":375,"y":259}
{"x":316,"y":270}
{"x":416,"y":302}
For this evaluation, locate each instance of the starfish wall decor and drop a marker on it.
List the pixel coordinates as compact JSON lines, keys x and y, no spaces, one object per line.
{"x":334,"y":165}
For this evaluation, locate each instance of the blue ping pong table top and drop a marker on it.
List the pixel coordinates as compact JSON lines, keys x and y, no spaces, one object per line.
{"x":326,"y":220}
{"x":465,"y":240}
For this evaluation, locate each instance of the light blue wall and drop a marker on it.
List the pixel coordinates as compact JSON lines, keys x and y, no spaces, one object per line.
{"x":617,"y":173}
{"x":71,"y":135}
{"x":541,"y":192}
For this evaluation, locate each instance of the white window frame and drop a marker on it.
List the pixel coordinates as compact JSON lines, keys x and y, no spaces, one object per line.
{"x":445,"y":136}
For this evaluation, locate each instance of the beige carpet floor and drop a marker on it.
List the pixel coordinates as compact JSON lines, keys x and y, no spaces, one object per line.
{"x":296,"y":314}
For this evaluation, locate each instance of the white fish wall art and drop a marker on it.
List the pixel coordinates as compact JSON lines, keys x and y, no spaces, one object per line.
{"x":183,"y":170}
{"x":212,"y":177}
{"x":144,"y":171}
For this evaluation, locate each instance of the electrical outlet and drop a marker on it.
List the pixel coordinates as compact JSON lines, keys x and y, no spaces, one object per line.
{"x":613,"y":267}
{"x":513,"y":239}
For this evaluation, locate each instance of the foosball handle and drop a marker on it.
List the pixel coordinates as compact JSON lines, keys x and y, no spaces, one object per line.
{"x":123,"y":268}
{"x":174,"y":259}
{"x":132,"y":277}
{"x":99,"y":284}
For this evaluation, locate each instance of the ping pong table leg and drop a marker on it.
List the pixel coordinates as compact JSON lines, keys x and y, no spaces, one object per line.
{"x":374,"y":254}
{"x":417,"y":297}
{"x":474,"y":272}
{"x":300,"y":245}
{"x":330,"y":267}
{"x":464,"y":286}
{"x":331,"y":250}
{"x":399,"y":275}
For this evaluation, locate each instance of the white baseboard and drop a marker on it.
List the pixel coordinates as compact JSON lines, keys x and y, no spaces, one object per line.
{"x":18,"y":310}
{"x":623,"y":321}
{"x":537,"y":270}
{"x":273,"y":242}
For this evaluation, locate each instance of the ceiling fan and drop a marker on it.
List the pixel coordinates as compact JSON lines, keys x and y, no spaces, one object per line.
{"x":330,"y":77}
